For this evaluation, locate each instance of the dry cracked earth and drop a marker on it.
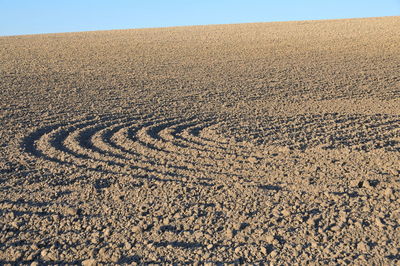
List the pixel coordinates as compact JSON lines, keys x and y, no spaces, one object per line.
{"x":267,"y":143}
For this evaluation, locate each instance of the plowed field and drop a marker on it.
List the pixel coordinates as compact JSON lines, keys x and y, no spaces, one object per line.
{"x":249,"y":143}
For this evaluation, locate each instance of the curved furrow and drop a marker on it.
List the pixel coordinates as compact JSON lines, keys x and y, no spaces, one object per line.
{"x":167,"y":152}
{"x":171,"y":142}
{"x":62,"y":144}
{"x":175,"y":138}
{"x":46,"y":144}
{"x":81,"y":143}
{"x":155,"y":145}
{"x":226,"y":155}
{"x":132,"y":156}
{"x":202,"y":134}
{"x":135,"y":147}
{"x":136,"y":140}
{"x":183,"y":133}
{"x":125,"y":139}
{"x":59,"y":144}
{"x":135,"y":156}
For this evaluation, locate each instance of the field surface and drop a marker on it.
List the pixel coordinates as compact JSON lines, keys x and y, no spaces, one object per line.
{"x":248,"y":143}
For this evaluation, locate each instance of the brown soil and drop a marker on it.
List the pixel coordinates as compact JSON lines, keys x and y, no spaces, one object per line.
{"x":268,"y":142}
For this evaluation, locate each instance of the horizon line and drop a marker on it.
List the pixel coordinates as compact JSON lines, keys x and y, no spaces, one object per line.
{"x":193,"y":25}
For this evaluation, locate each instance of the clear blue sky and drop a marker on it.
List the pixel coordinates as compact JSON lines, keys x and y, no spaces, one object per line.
{"x":48,"y":16}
